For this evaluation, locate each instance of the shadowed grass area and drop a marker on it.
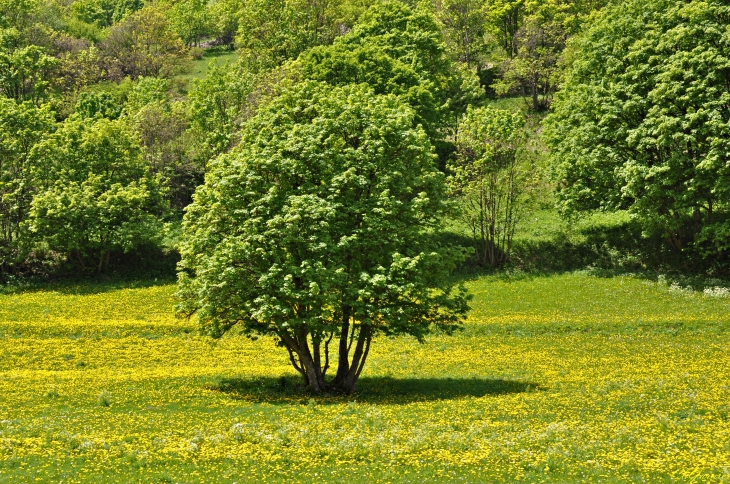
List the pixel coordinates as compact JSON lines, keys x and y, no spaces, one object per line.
{"x":606,"y":244}
{"x":373,"y":390}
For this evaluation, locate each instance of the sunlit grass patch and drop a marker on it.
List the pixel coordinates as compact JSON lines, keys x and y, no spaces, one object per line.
{"x":569,"y":378}
{"x":217,"y":56}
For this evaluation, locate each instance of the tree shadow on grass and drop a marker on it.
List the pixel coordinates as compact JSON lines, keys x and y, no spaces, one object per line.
{"x":375,"y":390}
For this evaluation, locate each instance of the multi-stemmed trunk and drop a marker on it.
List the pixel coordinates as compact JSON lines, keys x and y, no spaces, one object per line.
{"x":348,"y":370}
{"x":493,"y":214}
{"x":309,"y":354}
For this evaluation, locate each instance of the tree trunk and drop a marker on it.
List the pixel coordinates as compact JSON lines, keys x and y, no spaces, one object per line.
{"x":79,"y":259}
{"x":311,"y":373}
{"x":103,"y":261}
{"x":309,"y":362}
{"x":347,"y":382}
{"x":344,"y":350}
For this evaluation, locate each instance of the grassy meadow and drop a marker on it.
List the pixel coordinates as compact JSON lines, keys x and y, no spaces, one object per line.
{"x":216,"y":56}
{"x":562,"y":378}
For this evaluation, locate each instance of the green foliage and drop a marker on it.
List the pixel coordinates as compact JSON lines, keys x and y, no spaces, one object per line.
{"x":224,"y":17}
{"x":534,"y":67}
{"x":397,"y":50}
{"x":18,"y":14}
{"x":26,"y":73}
{"x":342,"y":64}
{"x":79,"y":29}
{"x":123,"y":8}
{"x":490,"y":176}
{"x":103,"y":104}
{"x":217,"y":105}
{"x":642,"y":121}
{"x":22,"y":125}
{"x":489,"y":139}
{"x":143,"y":44}
{"x":514,"y":45}
{"x":504,"y":18}
{"x":91,"y":219}
{"x":82,"y":146}
{"x":191,"y":20}
{"x":146,"y":90}
{"x":80,"y":69}
{"x":97,"y":195}
{"x":432,"y":54}
{"x":104,"y":13}
{"x":170,"y":149}
{"x":271,"y":32}
{"x":318,"y":225}
{"x":465,"y":30}
{"x":410,"y":36}
{"x":98,"y":12}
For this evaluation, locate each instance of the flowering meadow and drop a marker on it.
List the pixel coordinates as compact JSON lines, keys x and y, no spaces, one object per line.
{"x":567,"y":378}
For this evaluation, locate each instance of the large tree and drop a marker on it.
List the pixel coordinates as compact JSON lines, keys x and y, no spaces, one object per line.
{"x":192,"y":20}
{"x":271,"y":32}
{"x":26,"y":74}
{"x":318,"y":228}
{"x":398,"y":50}
{"x":534,"y":69}
{"x":643,"y":120}
{"x":464,"y":25}
{"x":143,"y":44}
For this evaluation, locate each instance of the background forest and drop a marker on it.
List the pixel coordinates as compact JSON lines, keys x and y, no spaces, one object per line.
{"x":111,"y":110}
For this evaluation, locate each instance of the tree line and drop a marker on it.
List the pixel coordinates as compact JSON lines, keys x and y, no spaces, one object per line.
{"x":102,"y":150}
{"x":102,"y":145}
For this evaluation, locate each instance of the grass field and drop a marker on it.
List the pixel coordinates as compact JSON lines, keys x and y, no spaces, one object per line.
{"x":563,"y":378}
{"x":217,"y":56}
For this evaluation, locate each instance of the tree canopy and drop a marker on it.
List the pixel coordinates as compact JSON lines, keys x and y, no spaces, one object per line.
{"x":642,"y":122}
{"x":396,"y":50}
{"x":639,"y":124}
{"x":319,"y":226}
{"x":144,"y":44}
{"x":22,"y":126}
